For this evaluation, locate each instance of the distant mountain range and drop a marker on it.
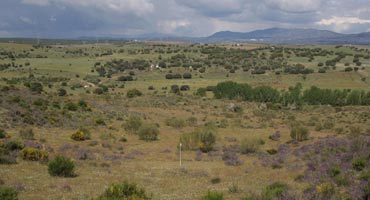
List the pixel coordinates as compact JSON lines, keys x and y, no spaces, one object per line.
{"x":268,"y":36}
{"x":291,"y":36}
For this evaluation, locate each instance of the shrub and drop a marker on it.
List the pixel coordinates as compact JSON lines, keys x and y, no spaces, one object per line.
{"x":299,"y":133}
{"x":148,"y":132}
{"x":13,"y":145}
{"x":133,"y":124}
{"x":2,"y":134}
{"x":186,"y":76}
{"x":61,"y":166}
{"x":275,"y":191}
{"x":202,"y":92}
{"x":35,"y":87}
{"x":234,"y":189}
{"x":184,"y":88}
{"x":202,"y":139}
{"x":71,"y":106}
{"x":26,"y":134}
{"x":358,"y":164}
{"x":326,"y":190}
{"x":62,"y":92}
{"x":322,"y":70}
{"x":125,"y":78}
{"x":175,"y":89}
{"x":100,"y":122}
{"x":175,"y":122}
{"x":133,"y":93}
{"x":207,"y":141}
{"x":230,"y":158}
{"x":168,"y":76}
{"x":249,"y":145}
{"x":124,"y":190}
{"x":213,"y":195}
{"x":34,"y":154}
{"x":80,"y":135}
{"x":8,"y":193}
{"x":216,"y":180}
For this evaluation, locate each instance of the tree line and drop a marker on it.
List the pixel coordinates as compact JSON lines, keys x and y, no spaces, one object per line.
{"x":293,"y":96}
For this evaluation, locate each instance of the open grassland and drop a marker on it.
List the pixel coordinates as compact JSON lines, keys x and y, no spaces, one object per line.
{"x":83,"y":88}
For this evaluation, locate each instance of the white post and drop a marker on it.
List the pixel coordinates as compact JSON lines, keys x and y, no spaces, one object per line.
{"x":180,"y":155}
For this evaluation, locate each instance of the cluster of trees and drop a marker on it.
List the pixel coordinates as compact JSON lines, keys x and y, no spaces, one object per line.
{"x":178,"y":76}
{"x":294,"y":95}
{"x":297,"y":69}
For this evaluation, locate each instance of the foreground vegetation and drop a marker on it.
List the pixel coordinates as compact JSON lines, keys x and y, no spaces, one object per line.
{"x":105,"y":121}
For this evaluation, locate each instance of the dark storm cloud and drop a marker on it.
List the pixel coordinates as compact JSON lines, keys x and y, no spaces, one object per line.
{"x":72,"y":18}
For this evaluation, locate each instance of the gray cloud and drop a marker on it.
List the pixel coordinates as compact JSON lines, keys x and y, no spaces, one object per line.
{"x":72,"y":18}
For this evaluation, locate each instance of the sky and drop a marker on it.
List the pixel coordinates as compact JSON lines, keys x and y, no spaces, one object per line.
{"x":195,"y":18}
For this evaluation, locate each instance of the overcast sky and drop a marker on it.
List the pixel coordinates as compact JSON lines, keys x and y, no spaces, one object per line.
{"x":74,"y":18}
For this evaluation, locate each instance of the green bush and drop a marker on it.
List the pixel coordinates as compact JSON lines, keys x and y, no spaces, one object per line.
{"x":125,"y":190}
{"x":175,"y":123}
{"x":71,"y":106}
{"x":26,"y":134}
{"x":8,"y":193}
{"x":2,"y":134}
{"x":299,"y":133}
{"x":133,"y":124}
{"x":202,"y":92}
{"x":148,"y":132}
{"x":133,"y":93}
{"x":213,"y":195}
{"x":275,"y":191}
{"x":200,"y":139}
{"x":13,"y":145}
{"x":61,"y":166}
{"x":359,"y":164}
{"x":35,"y":87}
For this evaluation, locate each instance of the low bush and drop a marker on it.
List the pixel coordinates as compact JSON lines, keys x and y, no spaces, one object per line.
{"x":187,"y":76}
{"x":2,"y":134}
{"x":299,"y":133}
{"x":202,"y":92}
{"x":132,"y":124}
{"x":175,"y":89}
{"x":80,"y":135}
{"x":13,"y":145}
{"x":61,"y":166}
{"x":250,"y":145}
{"x":8,"y":193}
{"x":175,"y":122}
{"x":62,"y":92}
{"x":125,"y":190}
{"x":202,"y":139}
{"x":213,"y":195}
{"x":71,"y":106}
{"x":34,"y":154}
{"x":216,"y":180}
{"x":359,"y":164}
{"x":276,"y":190}
{"x":133,"y":93}
{"x":148,"y":132}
